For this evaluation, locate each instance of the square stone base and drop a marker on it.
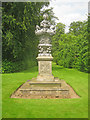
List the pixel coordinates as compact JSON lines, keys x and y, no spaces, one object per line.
{"x":45,"y":68}
{"x":33,"y":89}
{"x":45,"y":78}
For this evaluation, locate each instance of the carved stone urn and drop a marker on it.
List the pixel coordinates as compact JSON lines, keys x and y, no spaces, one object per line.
{"x":44,"y":57}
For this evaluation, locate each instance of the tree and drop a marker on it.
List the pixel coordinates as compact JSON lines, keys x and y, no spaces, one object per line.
{"x":60,"y":29}
{"x":77,"y":27}
{"x":19,"y":20}
{"x":71,"y":50}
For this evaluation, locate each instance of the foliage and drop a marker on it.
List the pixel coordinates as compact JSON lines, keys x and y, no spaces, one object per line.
{"x":19,"y":21}
{"x":77,"y":27}
{"x":19,"y":42}
{"x":71,"y":50}
{"x":10,"y":67}
{"x":60,"y":28}
{"x":89,"y":41}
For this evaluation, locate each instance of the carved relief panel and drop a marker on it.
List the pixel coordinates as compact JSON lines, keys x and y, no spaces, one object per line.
{"x":45,"y":67}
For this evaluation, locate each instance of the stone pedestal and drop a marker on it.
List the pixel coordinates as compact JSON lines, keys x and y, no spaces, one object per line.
{"x":45,"y":85}
{"x":45,"y":68}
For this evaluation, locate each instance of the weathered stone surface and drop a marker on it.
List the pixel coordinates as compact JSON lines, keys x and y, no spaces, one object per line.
{"x":44,"y":32}
{"x":52,"y":90}
{"x":45,"y":68}
{"x":45,"y":58}
{"x":45,"y":78}
{"x":44,"y":49}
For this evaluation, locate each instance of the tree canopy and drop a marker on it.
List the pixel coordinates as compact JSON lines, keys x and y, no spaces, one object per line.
{"x":71,"y":50}
{"x":19,"y":41}
{"x":19,"y":21}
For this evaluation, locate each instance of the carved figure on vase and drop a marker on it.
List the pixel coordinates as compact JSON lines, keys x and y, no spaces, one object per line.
{"x":44,"y":32}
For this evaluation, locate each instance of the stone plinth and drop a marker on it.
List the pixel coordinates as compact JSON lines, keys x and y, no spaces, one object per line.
{"x":33,"y":89}
{"x":45,"y":68}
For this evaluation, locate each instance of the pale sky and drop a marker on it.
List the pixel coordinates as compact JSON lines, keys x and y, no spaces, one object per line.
{"x":70,"y":10}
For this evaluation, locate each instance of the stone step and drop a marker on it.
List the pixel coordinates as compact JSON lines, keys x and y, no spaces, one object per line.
{"x":43,"y":89}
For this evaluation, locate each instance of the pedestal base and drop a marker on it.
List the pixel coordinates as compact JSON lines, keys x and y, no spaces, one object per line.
{"x":51,"y":90}
{"x":45,"y":85}
{"x":45,"y":68}
{"x":45,"y":78}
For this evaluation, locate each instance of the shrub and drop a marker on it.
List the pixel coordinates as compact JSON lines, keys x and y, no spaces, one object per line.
{"x":10,"y":67}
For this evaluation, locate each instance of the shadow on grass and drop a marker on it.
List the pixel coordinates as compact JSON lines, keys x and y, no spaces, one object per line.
{"x":31,"y":70}
{"x":54,"y":67}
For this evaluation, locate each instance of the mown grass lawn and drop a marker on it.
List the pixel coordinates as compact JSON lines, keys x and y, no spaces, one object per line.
{"x":45,"y":108}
